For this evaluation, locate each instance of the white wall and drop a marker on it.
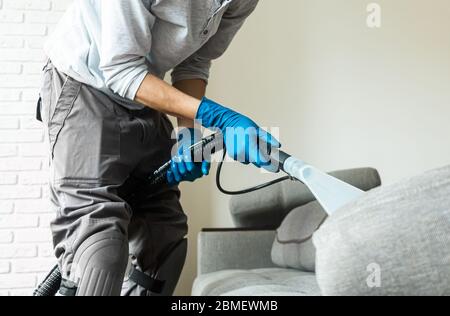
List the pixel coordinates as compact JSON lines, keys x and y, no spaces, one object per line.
{"x":25,"y":251}
{"x":342,"y":94}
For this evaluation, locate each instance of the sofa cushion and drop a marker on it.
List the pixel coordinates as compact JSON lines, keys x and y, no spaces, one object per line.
{"x":259,"y":282}
{"x":393,"y":241}
{"x":293,"y":246}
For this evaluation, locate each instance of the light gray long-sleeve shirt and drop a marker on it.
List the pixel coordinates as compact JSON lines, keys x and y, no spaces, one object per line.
{"x":113,"y":44}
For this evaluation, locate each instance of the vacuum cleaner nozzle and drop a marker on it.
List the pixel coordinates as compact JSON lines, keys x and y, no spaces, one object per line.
{"x":329,"y":191}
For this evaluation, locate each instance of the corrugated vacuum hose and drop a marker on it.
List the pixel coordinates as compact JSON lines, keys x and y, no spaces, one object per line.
{"x":50,"y":285}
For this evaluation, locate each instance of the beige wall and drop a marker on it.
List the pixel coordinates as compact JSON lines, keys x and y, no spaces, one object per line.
{"x":342,"y":94}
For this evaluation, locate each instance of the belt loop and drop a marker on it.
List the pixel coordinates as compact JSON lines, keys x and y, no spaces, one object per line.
{"x":39,"y":109}
{"x":46,"y":64}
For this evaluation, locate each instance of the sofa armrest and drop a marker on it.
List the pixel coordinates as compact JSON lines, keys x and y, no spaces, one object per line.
{"x":224,"y":249}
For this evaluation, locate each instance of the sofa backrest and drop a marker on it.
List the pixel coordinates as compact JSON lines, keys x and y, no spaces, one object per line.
{"x":268,"y":207}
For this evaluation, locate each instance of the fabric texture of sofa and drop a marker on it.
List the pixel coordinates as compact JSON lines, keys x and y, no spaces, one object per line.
{"x":393,"y":241}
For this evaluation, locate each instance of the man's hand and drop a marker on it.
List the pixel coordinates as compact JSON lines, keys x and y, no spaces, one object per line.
{"x":245,"y":141}
{"x":184,"y":167}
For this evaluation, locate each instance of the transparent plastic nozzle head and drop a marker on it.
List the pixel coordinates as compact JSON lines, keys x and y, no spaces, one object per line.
{"x":330,"y":192}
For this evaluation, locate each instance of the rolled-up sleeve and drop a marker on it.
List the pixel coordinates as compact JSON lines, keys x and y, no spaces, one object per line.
{"x":198,"y":65}
{"x":125,"y":41}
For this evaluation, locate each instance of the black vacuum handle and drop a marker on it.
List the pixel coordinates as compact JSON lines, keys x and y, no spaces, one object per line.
{"x":208,"y":146}
{"x":200,"y":151}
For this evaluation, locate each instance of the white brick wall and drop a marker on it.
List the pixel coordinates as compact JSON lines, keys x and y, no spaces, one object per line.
{"x":25,"y":248}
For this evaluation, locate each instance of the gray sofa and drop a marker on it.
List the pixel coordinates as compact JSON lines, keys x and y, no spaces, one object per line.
{"x":393,"y":241}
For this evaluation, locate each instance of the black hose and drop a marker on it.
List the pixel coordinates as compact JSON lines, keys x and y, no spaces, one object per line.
{"x":51,"y":284}
{"x":245,"y":191}
{"x":204,"y":149}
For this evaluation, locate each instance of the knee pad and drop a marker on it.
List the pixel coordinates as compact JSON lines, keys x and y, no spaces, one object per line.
{"x":99,"y":265}
{"x":165,"y":277}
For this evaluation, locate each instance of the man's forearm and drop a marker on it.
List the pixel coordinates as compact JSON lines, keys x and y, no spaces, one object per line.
{"x":159,"y":95}
{"x":195,"y":88}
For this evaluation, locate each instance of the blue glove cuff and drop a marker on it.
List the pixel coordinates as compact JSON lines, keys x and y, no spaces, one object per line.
{"x":211,"y":114}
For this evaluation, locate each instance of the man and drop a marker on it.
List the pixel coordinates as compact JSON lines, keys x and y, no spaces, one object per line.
{"x":104,"y":105}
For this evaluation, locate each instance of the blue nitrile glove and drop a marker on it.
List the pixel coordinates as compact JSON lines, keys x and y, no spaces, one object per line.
{"x":184,"y":167}
{"x":244,"y":140}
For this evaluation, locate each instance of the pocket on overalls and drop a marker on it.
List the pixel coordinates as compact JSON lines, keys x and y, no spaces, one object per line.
{"x":63,"y":106}
{"x":45,"y":94}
